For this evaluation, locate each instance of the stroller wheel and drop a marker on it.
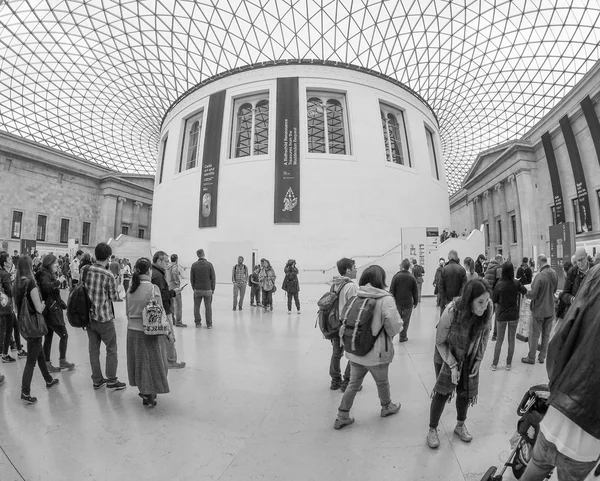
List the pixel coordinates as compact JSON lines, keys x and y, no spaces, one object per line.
{"x":489,"y":475}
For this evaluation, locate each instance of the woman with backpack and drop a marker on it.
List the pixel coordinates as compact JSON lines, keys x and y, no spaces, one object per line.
{"x":267,"y":284}
{"x":291,"y":285}
{"x":462,"y":336}
{"x":147,"y":364}
{"x":26,"y":290}
{"x":385,"y":324}
{"x":506,"y":296}
{"x":53,"y":313}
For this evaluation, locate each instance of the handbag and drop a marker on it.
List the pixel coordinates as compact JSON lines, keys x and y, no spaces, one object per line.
{"x":31,"y":326}
{"x":154,"y":318}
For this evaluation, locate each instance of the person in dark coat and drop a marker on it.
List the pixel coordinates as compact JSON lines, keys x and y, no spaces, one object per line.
{"x":452,"y":279}
{"x":574,"y":279}
{"x":479,"y":265}
{"x":405,"y":290}
{"x":506,"y":296}
{"x":291,"y":285}
{"x":524,"y":272}
{"x":436,"y":281}
{"x":203,"y":282}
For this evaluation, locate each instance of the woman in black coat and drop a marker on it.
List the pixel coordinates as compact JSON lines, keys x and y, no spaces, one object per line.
{"x":506,"y":295}
{"x":53,"y":312}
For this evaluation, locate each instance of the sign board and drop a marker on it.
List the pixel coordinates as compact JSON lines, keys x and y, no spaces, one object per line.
{"x":562,"y":247}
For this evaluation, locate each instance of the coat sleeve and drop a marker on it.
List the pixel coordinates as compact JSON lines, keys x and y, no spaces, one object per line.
{"x":440,"y":286}
{"x":566,"y":295}
{"x":46,"y":284}
{"x":213,"y":279}
{"x":441,"y":338}
{"x":415,"y":292}
{"x":392,"y":323}
{"x":5,"y":279}
{"x":192,"y":277}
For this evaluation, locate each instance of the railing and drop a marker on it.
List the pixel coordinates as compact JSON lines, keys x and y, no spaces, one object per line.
{"x":328,"y":269}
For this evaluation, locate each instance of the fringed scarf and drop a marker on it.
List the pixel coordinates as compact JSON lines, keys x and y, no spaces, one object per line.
{"x":464,"y":339}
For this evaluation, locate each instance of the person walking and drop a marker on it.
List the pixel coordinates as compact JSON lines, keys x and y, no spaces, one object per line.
{"x":452,"y":279}
{"x":291,"y":285}
{"x":8,"y":320}
{"x":239,"y":278}
{"x":203,"y":281}
{"x":404,"y":290}
{"x":254,"y":283}
{"x":267,"y":284}
{"x":147,"y":364}
{"x":460,"y":343}
{"x":385,"y":325}
{"x":102,"y":292}
{"x":542,"y":291}
{"x":174,"y":283}
{"x":25,"y":290}
{"x":160,"y":262}
{"x":418,"y":271}
{"x":48,"y":286}
{"x":506,"y":296}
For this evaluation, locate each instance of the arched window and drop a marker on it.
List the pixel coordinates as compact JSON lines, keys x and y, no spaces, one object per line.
{"x":251,"y":129}
{"x":394,"y":136}
{"x":327,"y":109}
{"x":190,"y":151}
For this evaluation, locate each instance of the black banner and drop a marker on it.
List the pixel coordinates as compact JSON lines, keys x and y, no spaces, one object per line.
{"x":554,"y":178}
{"x":578,"y":174}
{"x":209,"y":187}
{"x":287,"y":155}
{"x":593,"y":124}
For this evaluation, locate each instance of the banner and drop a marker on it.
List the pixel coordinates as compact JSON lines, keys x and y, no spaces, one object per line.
{"x":554,"y":178}
{"x":593,"y":124}
{"x":578,"y":175}
{"x":287,"y":155}
{"x":211,"y":160}
{"x":562,"y":247}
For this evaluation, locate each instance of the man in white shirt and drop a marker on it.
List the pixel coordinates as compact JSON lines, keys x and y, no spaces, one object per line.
{"x":75,"y":268}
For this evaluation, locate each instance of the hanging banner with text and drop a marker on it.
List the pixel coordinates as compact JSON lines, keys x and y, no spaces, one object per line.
{"x":578,"y":174}
{"x":554,"y":178}
{"x":593,"y":124}
{"x":210,"y":160}
{"x":287,"y":161}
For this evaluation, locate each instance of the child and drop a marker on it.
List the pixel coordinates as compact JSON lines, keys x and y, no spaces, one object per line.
{"x":254,"y":286}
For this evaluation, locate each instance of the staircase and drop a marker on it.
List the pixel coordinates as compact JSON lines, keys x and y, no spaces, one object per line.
{"x":130,"y":247}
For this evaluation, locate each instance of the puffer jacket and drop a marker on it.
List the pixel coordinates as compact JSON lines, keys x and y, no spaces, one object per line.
{"x":492,"y":273}
{"x":385,"y":314}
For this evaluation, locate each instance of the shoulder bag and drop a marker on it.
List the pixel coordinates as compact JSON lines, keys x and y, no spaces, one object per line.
{"x":154,"y":318}
{"x":31,"y":325}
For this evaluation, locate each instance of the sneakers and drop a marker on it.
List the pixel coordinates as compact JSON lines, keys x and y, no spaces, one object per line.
{"x":64,"y":364}
{"x":403,"y":339}
{"x":98,"y":385}
{"x":494,"y":338}
{"x":390,"y":409}
{"x":148,"y":399}
{"x":494,"y":367}
{"x":209,"y":327}
{"x":433,"y":440}
{"x":289,"y":312}
{"x":240,"y":308}
{"x":341,"y":422}
{"x":117,"y":385}
{"x":54,"y":382}
{"x":177,"y":365}
{"x":8,"y":358}
{"x":52,"y":368}
{"x":541,"y":361}
{"x":463,"y":433}
{"x":28,"y":399}
{"x":335,"y":385}
{"x":234,"y":308}
{"x":508,"y":367}
{"x":252,"y":304}
{"x":22,"y":353}
{"x":524,"y":360}
{"x":198,"y":325}
{"x":180,"y":324}
{"x":298,"y":311}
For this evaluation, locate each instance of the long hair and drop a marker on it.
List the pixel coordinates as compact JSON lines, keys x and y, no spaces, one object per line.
{"x":24,"y":269}
{"x":374,"y":275}
{"x":142,"y":266}
{"x":508,"y":271}
{"x":469,"y":264}
{"x":47,"y":262}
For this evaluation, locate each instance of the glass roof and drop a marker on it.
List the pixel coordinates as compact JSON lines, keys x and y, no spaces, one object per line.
{"x":95,"y":78}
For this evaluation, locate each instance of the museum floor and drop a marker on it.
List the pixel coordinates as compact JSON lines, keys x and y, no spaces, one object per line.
{"x":254,"y":403}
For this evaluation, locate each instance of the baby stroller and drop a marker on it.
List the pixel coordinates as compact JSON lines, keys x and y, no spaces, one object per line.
{"x":531,"y":411}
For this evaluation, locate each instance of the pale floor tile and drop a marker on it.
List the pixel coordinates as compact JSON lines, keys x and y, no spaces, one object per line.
{"x":254,"y":403}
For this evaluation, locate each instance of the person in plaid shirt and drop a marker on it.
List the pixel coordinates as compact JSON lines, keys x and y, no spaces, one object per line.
{"x":239,"y":278}
{"x":102,"y":291}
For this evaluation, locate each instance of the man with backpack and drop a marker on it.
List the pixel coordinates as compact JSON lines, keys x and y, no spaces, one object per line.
{"x":342,"y":288}
{"x":418,"y":272}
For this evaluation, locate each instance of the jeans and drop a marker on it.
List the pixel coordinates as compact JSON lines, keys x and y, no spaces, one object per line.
{"x":512,"y":332}
{"x":545,"y":457}
{"x":294,"y":296}
{"x":103,"y":332}
{"x":543,"y":326}
{"x":267,"y":297}
{"x":207,"y":296}
{"x":176,"y":308}
{"x":255,"y":295}
{"x":335,"y":370}
{"x":241,"y":289}
{"x":419,"y":288}
{"x":357,"y":374}
{"x":405,"y":314}
{"x":35,"y":355}
{"x":439,"y":401}
{"x":61,"y":331}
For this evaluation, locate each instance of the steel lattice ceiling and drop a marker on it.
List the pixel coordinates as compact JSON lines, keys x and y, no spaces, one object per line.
{"x":95,"y":78}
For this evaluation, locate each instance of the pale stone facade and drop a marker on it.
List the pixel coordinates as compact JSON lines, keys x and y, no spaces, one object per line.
{"x":49,"y":188}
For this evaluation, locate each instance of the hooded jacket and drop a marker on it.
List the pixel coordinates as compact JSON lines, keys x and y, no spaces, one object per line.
{"x":385,"y":314}
{"x":349,"y":290}
{"x":492,"y":273}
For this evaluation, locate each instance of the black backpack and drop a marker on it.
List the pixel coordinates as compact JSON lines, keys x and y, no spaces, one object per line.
{"x":357,"y":320}
{"x":78,"y":305}
{"x":328,"y":316}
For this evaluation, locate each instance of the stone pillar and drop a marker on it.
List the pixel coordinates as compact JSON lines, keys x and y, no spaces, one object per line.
{"x":119,"y":216}
{"x":135,"y":221}
{"x":105,"y":227}
{"x":473,"y":213}
{"x":491,"y":218}
{"x":480,"y":215}
{"x":515,"y":195}
{"x":527,"y":211}
{"x":500,"y":188}
{"x":149,"y":228}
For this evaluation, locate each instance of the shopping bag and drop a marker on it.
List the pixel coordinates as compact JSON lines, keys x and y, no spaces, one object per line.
{"x":525,"y":319}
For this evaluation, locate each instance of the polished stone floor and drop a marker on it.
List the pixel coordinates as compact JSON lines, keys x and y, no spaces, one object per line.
{"x":254,"y":403}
